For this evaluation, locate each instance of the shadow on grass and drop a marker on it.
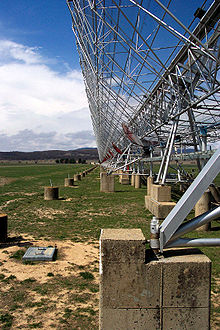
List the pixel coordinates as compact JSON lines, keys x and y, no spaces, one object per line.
{"x":15,"y":241}
{"x":122,"y":191}
{"x":215,"y":228}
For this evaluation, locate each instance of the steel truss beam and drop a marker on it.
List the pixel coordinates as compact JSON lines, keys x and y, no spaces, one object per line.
{"x":170,"y":228}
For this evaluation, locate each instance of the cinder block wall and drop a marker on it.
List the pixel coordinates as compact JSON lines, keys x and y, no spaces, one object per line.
{"x":137,"y":292}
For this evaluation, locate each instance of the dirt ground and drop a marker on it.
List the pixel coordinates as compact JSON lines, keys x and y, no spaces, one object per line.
{"x":80,"y":254}
{"x":72,"y":257}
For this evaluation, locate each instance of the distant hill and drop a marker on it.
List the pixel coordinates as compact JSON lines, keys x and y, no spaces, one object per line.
{"x":83,"y":153}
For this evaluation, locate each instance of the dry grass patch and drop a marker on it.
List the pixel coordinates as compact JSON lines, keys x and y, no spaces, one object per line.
{"x":4,"y":181}
{"x":48,"y":213}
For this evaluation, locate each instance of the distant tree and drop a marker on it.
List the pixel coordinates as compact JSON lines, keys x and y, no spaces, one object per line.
{"x":66,"y":160}
{"x":62,"y":160}
{"x":57,"y":161}
{"x":72,"y":161}
{"x":79,"y":160}
{"x":83,"y":161}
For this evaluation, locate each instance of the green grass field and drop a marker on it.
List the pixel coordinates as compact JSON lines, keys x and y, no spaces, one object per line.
{"x":77,"y":217}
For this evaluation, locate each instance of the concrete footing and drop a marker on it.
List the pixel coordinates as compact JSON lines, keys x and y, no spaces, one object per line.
{"x":69,"y":182}
{"x":3,"y":227}
{"x":202,"y":206}
{"x":158,"y":209}
{"x":76,"y":177}
{"x":51,"y":193}
{"x":138,"y":292}
{"x":158,"y":202}
{"x":137,"y":182}
{"x":132,"y":180}
{"x":150,"y":181}
{"x":107,"y":182}
{"x":161,"y":193}
{"x":124,"y":179}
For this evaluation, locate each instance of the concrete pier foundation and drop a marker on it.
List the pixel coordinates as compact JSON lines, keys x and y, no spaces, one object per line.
{"x":124,"y":179}
{"x":51,"y":193}
{"x":137,"y":182}
{"x":107,"y":182}
{"x":132,"y":180}
{"x":138,"y":292}
{"x":3,"y":227}
{"x":158,"y":202}
{"x":76,"y":177}
{"x":202,"y":206}
{"x":69,"y":182}
{"x":150,"y":181}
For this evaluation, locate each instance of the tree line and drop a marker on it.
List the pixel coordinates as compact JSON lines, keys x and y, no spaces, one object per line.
{"x":70,"y":161}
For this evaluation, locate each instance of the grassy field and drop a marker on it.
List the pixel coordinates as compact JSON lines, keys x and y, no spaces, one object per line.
{"x":66,"y":291}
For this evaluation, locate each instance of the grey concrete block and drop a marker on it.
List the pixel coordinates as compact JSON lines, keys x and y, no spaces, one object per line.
{"x":107,"y":182}
{"x":125,"y":179}
{"x":122,"y":245}
{"x":132,"y":179}
{"x":137,"y":182}
{"x":129,"y":319}
{"x":130,"y":285}
{"x":68,"y":182}
{"x":158,"y":209}
{"x":186,"y":280}
{"x":150,"y":182}
{"x":186,"y":319}
{"x":161,"y":193}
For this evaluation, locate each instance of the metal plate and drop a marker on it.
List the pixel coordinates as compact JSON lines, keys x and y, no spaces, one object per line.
{"x":39,"y":254}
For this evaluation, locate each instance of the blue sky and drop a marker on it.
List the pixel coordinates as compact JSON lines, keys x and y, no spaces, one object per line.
{"x":42,"y":23}
{"x":42,"y":96}
{"x":42,"y":99}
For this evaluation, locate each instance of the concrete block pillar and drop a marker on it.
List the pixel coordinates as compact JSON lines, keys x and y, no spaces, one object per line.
{"x":132,"y":180}
{"x":202,"y":206}
{"x":158,"y":202}
{"x":161,"y":193}
{"x":69,"y":182}
{"x":125,"y":286}
{"x":3,"y":227}
{"x":125,"y":179}
{"x":76,"y":177}
{"x":51,"y":193}
{"x":150,"y":181}
{"x":120,"y":175}
{"x":107,"y":182}
{"x":139,"y":293}
{"x":137,"y":183}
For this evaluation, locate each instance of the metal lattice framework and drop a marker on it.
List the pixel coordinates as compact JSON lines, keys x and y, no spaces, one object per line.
{"x":151,"y":79}
{"x":152,"y":82}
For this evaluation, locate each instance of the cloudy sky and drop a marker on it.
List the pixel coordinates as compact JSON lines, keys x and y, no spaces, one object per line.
{"x":42,"y":99}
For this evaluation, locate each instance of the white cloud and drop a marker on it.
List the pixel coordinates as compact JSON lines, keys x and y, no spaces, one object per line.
{"x":35,"y":97}
{"x":10,"y":51}
{"x":27,"y":140}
